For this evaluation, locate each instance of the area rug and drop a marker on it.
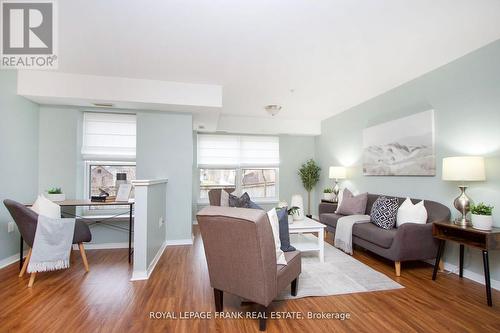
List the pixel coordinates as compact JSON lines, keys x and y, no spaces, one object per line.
{"x":339,"y":274}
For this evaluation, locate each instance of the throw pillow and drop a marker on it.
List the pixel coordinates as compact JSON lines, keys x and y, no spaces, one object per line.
{"x":241,"y":202}
{"x":224,"y":198}
{"x":339,"y":200}
{"x":411,"y":213}
{"x":284,"y":232}
{"x":351,"y":204}
{"x":384,"y":211}
{"x":45,"y":207}
{"x":273,"y":219}
{"x":253,"y":205}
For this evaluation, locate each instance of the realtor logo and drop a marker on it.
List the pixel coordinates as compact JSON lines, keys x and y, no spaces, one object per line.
{"x":28,"y":34}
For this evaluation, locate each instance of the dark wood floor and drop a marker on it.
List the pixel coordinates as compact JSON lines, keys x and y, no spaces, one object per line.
{"x":105,"y":301}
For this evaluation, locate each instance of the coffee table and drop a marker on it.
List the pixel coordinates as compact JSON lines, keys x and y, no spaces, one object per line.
{"x":305,"y":244}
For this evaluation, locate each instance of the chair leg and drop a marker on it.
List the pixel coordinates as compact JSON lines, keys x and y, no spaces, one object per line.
{"x":397,"y":265}
{"x":263,"y":314}
{"x":294,"y":286}
{"x":25,"y":264}
{"x":32,"y":279}
{"x":84,"y":256}
{"x":219,"y":300}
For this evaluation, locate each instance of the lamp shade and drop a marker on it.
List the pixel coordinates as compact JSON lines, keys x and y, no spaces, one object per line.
{"x":464,"y":168}
{"x":337,"y":172}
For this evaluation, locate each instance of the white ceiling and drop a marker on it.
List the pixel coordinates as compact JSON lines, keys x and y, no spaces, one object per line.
{"x":315,"y":57}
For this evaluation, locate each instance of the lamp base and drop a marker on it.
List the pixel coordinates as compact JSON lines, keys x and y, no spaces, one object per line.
{"x":462,"y":203}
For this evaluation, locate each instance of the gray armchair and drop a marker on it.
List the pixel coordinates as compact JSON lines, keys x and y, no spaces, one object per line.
{"x":26,"y":220}
{"x":241,"y":257}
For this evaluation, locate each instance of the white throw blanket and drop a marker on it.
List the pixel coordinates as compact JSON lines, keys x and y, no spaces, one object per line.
{"x":343,"y":231}
{"x":53,"y":241}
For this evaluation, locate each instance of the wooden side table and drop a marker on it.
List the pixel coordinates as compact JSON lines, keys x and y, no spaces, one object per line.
{"x":483,"y":240}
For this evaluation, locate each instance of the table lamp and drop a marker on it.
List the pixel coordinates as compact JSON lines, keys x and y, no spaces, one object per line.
{"x":337,"y":172}
{"x":463,"y":169}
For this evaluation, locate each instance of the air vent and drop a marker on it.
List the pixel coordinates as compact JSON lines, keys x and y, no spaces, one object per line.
{"x":103,"y":105}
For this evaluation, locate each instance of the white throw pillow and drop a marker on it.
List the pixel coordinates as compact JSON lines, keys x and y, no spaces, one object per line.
{"x":45,"y":207}
{"x":339,"y":199}
{"x":410,"y":213}
{"x":224,"y":198}
{"x":275,"y":225}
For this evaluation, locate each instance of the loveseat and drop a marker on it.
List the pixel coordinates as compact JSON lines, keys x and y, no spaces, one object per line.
{"x":408,"y":242}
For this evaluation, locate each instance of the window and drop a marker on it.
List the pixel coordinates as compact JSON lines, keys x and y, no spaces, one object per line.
{"x":104,"y":177}
{"x":245,"y":163}
{"x":216,"y":178}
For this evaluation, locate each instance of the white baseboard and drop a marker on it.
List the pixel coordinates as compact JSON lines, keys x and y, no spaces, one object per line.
{"x":175,"y":242}
{"x":103,"y":246}
{"x":144,"y":275}
{"x":10,"y":260}
{"x":476,"y":277}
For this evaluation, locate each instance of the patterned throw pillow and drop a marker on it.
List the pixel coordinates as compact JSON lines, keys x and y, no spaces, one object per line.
{"x":241,"y":202}
{"x":384,"y":212}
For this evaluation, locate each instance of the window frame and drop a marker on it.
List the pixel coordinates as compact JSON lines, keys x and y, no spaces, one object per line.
{"x":239,"y":183}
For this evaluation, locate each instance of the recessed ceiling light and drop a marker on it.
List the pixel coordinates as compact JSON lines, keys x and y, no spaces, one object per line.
{"x":273,"y":109}
{"x":103,"y":105}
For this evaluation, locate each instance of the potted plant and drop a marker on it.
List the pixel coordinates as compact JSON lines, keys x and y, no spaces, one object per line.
{"x":309,"y":174}
{"x":55,"y":194}
{"x":481,"y":216}
{"x":328,"y":194}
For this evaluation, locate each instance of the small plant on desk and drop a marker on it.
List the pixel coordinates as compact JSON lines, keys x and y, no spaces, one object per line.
{"x":55,"y":194}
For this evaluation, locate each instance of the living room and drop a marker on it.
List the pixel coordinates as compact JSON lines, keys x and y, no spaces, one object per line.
{"x":278,"y":166}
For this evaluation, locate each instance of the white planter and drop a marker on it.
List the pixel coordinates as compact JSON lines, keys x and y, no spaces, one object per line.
{"x":328,"y":196}
{"x":297,"y":201}
{"x":482,"y":222}
{"x":55,"y":197}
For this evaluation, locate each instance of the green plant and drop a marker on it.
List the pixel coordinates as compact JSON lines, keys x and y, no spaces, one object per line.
{"x":328,"y":190}
{"x":55,"y":190}
{"x":481,"y":209}
{"x":309,"y":174}
{"x":291,"y":210}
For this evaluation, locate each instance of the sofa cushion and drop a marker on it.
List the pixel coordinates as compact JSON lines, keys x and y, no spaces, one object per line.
{"x":373,"y":234}
{"x":384,"y":211}
{"x":330,"y":219}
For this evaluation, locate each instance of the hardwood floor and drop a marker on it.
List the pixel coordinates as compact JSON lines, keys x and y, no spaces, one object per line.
{"x":104,"y":300}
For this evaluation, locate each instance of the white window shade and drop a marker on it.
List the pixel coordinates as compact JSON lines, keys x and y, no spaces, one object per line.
{"x":108,"y":136}
{"x":237,"y":151}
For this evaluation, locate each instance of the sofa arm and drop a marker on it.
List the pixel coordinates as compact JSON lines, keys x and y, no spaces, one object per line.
{"x":327,"y":208}
{"x":414,"y":242}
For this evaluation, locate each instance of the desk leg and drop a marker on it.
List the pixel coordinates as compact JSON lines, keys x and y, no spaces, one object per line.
{"x":487,"y":277}
{"x":438,"y":258}
{"x":130,"y":236}
{"x":21,"y":253}
{"x":461,"y":266}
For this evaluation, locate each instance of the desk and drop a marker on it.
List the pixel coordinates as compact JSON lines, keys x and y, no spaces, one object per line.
{"x":88,"y":203}
{"x":480,"y":239}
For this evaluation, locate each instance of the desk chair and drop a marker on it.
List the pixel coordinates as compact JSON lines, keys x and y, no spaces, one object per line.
{"x":26,"y":220}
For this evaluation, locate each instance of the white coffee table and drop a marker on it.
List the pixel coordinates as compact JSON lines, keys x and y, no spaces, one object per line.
{"x":305,"y":244}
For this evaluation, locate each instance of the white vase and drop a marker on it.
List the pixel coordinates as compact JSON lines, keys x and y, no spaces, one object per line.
{"x":297,"y":201}
{"x":328,"y":196}
{"x":482,"y":222}
{"x":55,"y":197}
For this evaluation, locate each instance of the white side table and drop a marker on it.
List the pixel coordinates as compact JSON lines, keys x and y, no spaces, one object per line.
{"x":304,"y":244}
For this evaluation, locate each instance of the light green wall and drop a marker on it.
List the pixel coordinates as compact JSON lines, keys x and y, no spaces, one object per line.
{"x":18,"y":155}
{"x":165,"y":150}
{"x":465,"y":95}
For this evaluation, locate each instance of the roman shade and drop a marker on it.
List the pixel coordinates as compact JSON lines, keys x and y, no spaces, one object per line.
{"x":108,"y":136}
{"x":237,"y":151}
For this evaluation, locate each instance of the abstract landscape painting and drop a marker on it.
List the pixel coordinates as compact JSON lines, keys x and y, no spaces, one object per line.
{"x":402,"y":147}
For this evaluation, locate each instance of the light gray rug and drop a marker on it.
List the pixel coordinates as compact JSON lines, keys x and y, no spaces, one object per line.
{"x":339,"y":274}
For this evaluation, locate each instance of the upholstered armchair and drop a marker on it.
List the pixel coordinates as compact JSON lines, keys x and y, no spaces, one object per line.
{"x":26,"y":220}
{"x":241,"y":257}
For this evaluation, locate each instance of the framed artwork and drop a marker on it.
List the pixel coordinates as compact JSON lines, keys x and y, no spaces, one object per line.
{"x":401,"y":147}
